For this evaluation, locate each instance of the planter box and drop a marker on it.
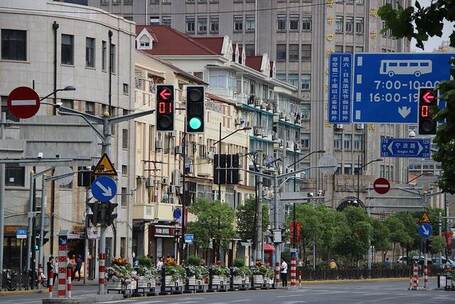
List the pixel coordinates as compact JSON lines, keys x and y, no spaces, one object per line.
{"x":146,"y":283}
{"x":114,"y":285}
{"x":171,"y":283}
{"x":219,"y":280}
{"x":192,"y":281}
{"x":238,"y":280}
{"x":258,"y":279}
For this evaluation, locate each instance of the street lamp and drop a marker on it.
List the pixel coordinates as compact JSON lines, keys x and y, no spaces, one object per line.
{"x":67,"y":88}
{"x":360,"y":168}
{"x":418,"y":176}
{"x":219,"y":142}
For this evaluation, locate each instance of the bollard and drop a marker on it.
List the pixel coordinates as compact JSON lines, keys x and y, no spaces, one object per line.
{"x":51,"y":283}
{"x":68,"y":285}
{"x":102,"y":269}
{"x":425,"y":276}
{"x":62,"y":264}
{"x":277,"y":274}
{"x":293,"y":270}
{"x":414,"y":282}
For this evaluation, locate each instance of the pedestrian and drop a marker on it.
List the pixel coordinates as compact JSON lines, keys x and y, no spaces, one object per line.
{"x":160,"y":264}
{"x":72,"y":266}
{"x":49,"y":266}
{"x":78,"y":266}
{"x":284,"y":273}
{"x":55,"y":267}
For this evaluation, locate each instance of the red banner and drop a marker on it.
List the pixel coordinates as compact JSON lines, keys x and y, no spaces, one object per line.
{"x":297,"y":227}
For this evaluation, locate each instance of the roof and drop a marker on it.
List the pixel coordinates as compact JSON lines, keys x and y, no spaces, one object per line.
{"x":213,"y":43}
{"x":254,"y":62}
{"x":172,"y":42}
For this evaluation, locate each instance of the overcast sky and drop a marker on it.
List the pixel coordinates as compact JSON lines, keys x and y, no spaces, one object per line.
{"x":434,"y":42}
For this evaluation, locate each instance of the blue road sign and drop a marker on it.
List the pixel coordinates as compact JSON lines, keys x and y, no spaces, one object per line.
{"x":425,"y":230}
{"x":386,"y":85}
{"x":104,"y":188}
{"x":340,"y":88}
{"x":188,"y":238}
{"x":177,"y":213}
{"x":405,"y":147}
{"x":21,"y":233}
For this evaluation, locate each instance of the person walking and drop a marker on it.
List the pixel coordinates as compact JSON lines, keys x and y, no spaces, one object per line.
{"x":160,"y":264}
{"x":55,"y":267}
{"x":284,"y":273}
{"x":50,"y":269}
{"x":78,"y":266}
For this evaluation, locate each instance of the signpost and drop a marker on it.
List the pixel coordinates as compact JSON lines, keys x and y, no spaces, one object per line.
{"x":23,"y":102}
{"x":189,"y":238}
{"x":104,"y":188}
{"x":21,"y":233}
{"x":405,"y":147}
{"x":177,"y":214}
{"x":340,"y":88}
{"x":105,"y":166}
{"x":425,"y":230}
{"x":386,"y":85}
{"x":381,"y":185}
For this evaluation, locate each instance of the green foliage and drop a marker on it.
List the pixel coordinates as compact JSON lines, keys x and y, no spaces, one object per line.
{"x":420,"y":24}
{"x":241,"y":271}
{"x":199,"y":272}
{"x":177,"y":272}
{"x":239,"y":262}
{"x":437,"y":244}
{"x":246,"y":219}
{"x":145,"y":261}
{"x":194,"y":260}
{"x":215,"y":220}
{"x":380,"y":236}
{"x":221,"y":271}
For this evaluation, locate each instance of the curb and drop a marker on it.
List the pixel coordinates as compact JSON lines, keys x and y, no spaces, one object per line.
{"x":354,"y":281}
{"x":20,"y":292}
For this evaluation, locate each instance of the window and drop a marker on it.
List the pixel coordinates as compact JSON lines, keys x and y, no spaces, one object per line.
{"x":337,"y":141}
{"x":144,"y":42}
{"x":250,"y":23}
{"x":189,"y":24}
{"x":281,"y":76}
{"x":90,"y":52}
{"x":123,"y":247}
{"x":349,"y":24}
{"x":250,"y":50}
{"x":166,"y":20}
{"x":358,"y":49}
{"x":306,"y":52}
{"x":124,"y":169}
{"x":165,"y":1}
{"x":294,"y":79}
{"x":127,"y":2}
{"x":347,"y":169}
{"x":126,"y":89}
{"x":306,"y":23}
{"x":238,"y":24}
{"x":347,"y":142}
{"x":125,"y":138}
{"x":306,"y":112}
{"x":214,"y":24}
{"x":104,"y":2}
{"x":115,"y":2}
{"x":155,"y":20}
{"x":14,"y":45}
{"x":339,"y":24}
{"x":359,"y":25}
{"x":293,"y":52}
{"x":338,"y":48}
{"x":14,"y":175}
{"x":123,"y":196}
{"x":103,"y":55}
{"x":306,"y":82}
{"x":305,"y":141}
{"x":112,"y":58}
{"x":68,"y":103}
{"x":90,"y":107}
{"x":202,"y":25}
{"x":281,"y":52}
{"x":358,"y":139}
{"x":67,"y":49}
{"x":348,"y":49}
{"x":359,"y":2}
{"x":294,"y":22}
{"x":281,"y":23}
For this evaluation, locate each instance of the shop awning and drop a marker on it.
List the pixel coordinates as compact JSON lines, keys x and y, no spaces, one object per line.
{"x":269,"y":247}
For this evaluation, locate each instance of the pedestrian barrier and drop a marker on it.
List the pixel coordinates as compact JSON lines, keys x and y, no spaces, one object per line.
{"x":68,"y":285}
{"x":51,"y":282}
{"x":62,"y":264}
{"x":293,"y":271}
{"x":277,"y":275}
{"x":414,"y":280}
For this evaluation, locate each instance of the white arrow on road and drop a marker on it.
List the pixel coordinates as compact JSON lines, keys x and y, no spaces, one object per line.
{"x":106,"y":191}
{"x":425,"y":230}
{"x":404,"y":111}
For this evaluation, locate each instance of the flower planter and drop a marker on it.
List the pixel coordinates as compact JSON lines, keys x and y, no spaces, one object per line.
{"x":258,"y":279}
{"x":219,"y":280}
{"x":170,"y":282}
{"x":192,"y":281}
{"x":238,"y":280}
{"x":143,"y":282}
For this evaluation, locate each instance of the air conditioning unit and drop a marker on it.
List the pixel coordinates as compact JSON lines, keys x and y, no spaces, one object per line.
{"x":360,"y":126}
{"x":339,"y":126}
{"x":257,"y":131}
{"x":179,"y":150}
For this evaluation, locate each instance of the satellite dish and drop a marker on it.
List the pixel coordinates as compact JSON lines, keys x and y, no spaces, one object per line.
{"x":64,"y":180}
{"x":328,"y":164}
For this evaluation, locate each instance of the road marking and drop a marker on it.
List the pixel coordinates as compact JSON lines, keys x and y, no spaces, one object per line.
{"x":241,"y":301}
{"x":290,"y":296}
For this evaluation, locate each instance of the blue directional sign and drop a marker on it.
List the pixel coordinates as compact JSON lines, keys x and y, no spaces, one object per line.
{"x":104,"y":188}
{"x":405,"y":147}
{"x":425,"y":230}
{"x":21,"y":233}
{"x":188,"y":238}
{"x":386,"y":85}
{"x":177,"y":213}
{"x":340,"y":88}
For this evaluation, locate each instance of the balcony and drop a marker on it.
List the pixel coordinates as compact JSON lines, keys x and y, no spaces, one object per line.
{"x":148,"y":212}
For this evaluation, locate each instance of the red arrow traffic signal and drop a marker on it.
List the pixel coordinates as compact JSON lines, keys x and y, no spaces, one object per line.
{"x":165,"y":93}
{"x":428,"y":97}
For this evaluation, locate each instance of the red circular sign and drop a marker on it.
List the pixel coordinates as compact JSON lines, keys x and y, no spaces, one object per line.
{"x":381,"y":185}
{"x":23,"y":102}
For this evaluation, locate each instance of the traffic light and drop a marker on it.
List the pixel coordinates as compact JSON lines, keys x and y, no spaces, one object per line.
{"x":195,"y":97}
{"x":226,"y":169}
{"x":45,"y":237}
{"x":428,"y":101}
{"x":111,"y":215}
{"x":165,"y":108}
{"x":233,"y":163}
{"x":93,"y":217}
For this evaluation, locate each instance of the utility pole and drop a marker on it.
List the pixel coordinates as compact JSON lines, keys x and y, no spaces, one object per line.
{"x":2,"y":199}
{"x":259,"y":254}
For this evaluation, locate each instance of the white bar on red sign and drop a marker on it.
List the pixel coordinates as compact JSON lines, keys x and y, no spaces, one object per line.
{"x":23,"y":102}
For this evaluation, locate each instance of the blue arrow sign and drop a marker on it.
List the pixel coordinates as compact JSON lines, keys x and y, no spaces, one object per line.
{"x":386,"y":85}
{"x":21,"y":233}
{"x":405,"y":147}
{"x":188,"y":238}
{"x":104,"y":188}
{"x":340,"y":88}
{"x":177,"y":213}
{"x":425,"y":230}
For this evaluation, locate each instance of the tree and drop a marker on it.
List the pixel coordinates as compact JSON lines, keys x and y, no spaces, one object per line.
{"x":398,"y":234}
{"x":380,"y":236}
{"x":215,"y":221}
{"x":421,"y":23}
{"x":437,"y":244}
{"x":246,"y":215}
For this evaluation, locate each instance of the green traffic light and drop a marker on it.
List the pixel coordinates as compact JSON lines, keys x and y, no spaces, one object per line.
{"x":195,"y":123}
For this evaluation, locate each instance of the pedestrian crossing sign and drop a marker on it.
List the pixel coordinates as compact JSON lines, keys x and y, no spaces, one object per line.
{"x":105,"y":167}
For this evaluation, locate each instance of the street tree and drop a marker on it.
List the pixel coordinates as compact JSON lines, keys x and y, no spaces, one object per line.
{"x":421,"y":23}
{"x":437,"y":244}
{"x":246,"y":219}
{"x":215,"y":222}
{"x":380,"y":237}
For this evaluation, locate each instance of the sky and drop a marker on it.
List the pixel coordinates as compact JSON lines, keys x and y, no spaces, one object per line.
{"x":434,"y":42}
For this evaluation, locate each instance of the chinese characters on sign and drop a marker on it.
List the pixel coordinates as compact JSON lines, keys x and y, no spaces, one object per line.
{"x":340,"y":87}
{"x":405,"y":147}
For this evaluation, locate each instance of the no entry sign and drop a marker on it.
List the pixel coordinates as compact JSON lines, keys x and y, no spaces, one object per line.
{"x":23,"y":102}
{"x":381,"y":185}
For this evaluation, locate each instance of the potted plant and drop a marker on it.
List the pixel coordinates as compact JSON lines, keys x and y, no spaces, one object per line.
{"x":196,"y":274}
{"x":220,"y":275}
{"x":260,"y":273}
{"x":120,"y":274}
{"x":147,"y":273}
{"x":174,"y":274}
{"x":240,"y":272}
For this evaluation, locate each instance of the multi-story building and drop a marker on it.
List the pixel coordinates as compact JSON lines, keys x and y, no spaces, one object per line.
{"x":31,"y":30}
{"x":299,"y":35}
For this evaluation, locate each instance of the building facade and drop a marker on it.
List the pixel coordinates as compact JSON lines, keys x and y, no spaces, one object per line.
{"x":82,"y":61}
